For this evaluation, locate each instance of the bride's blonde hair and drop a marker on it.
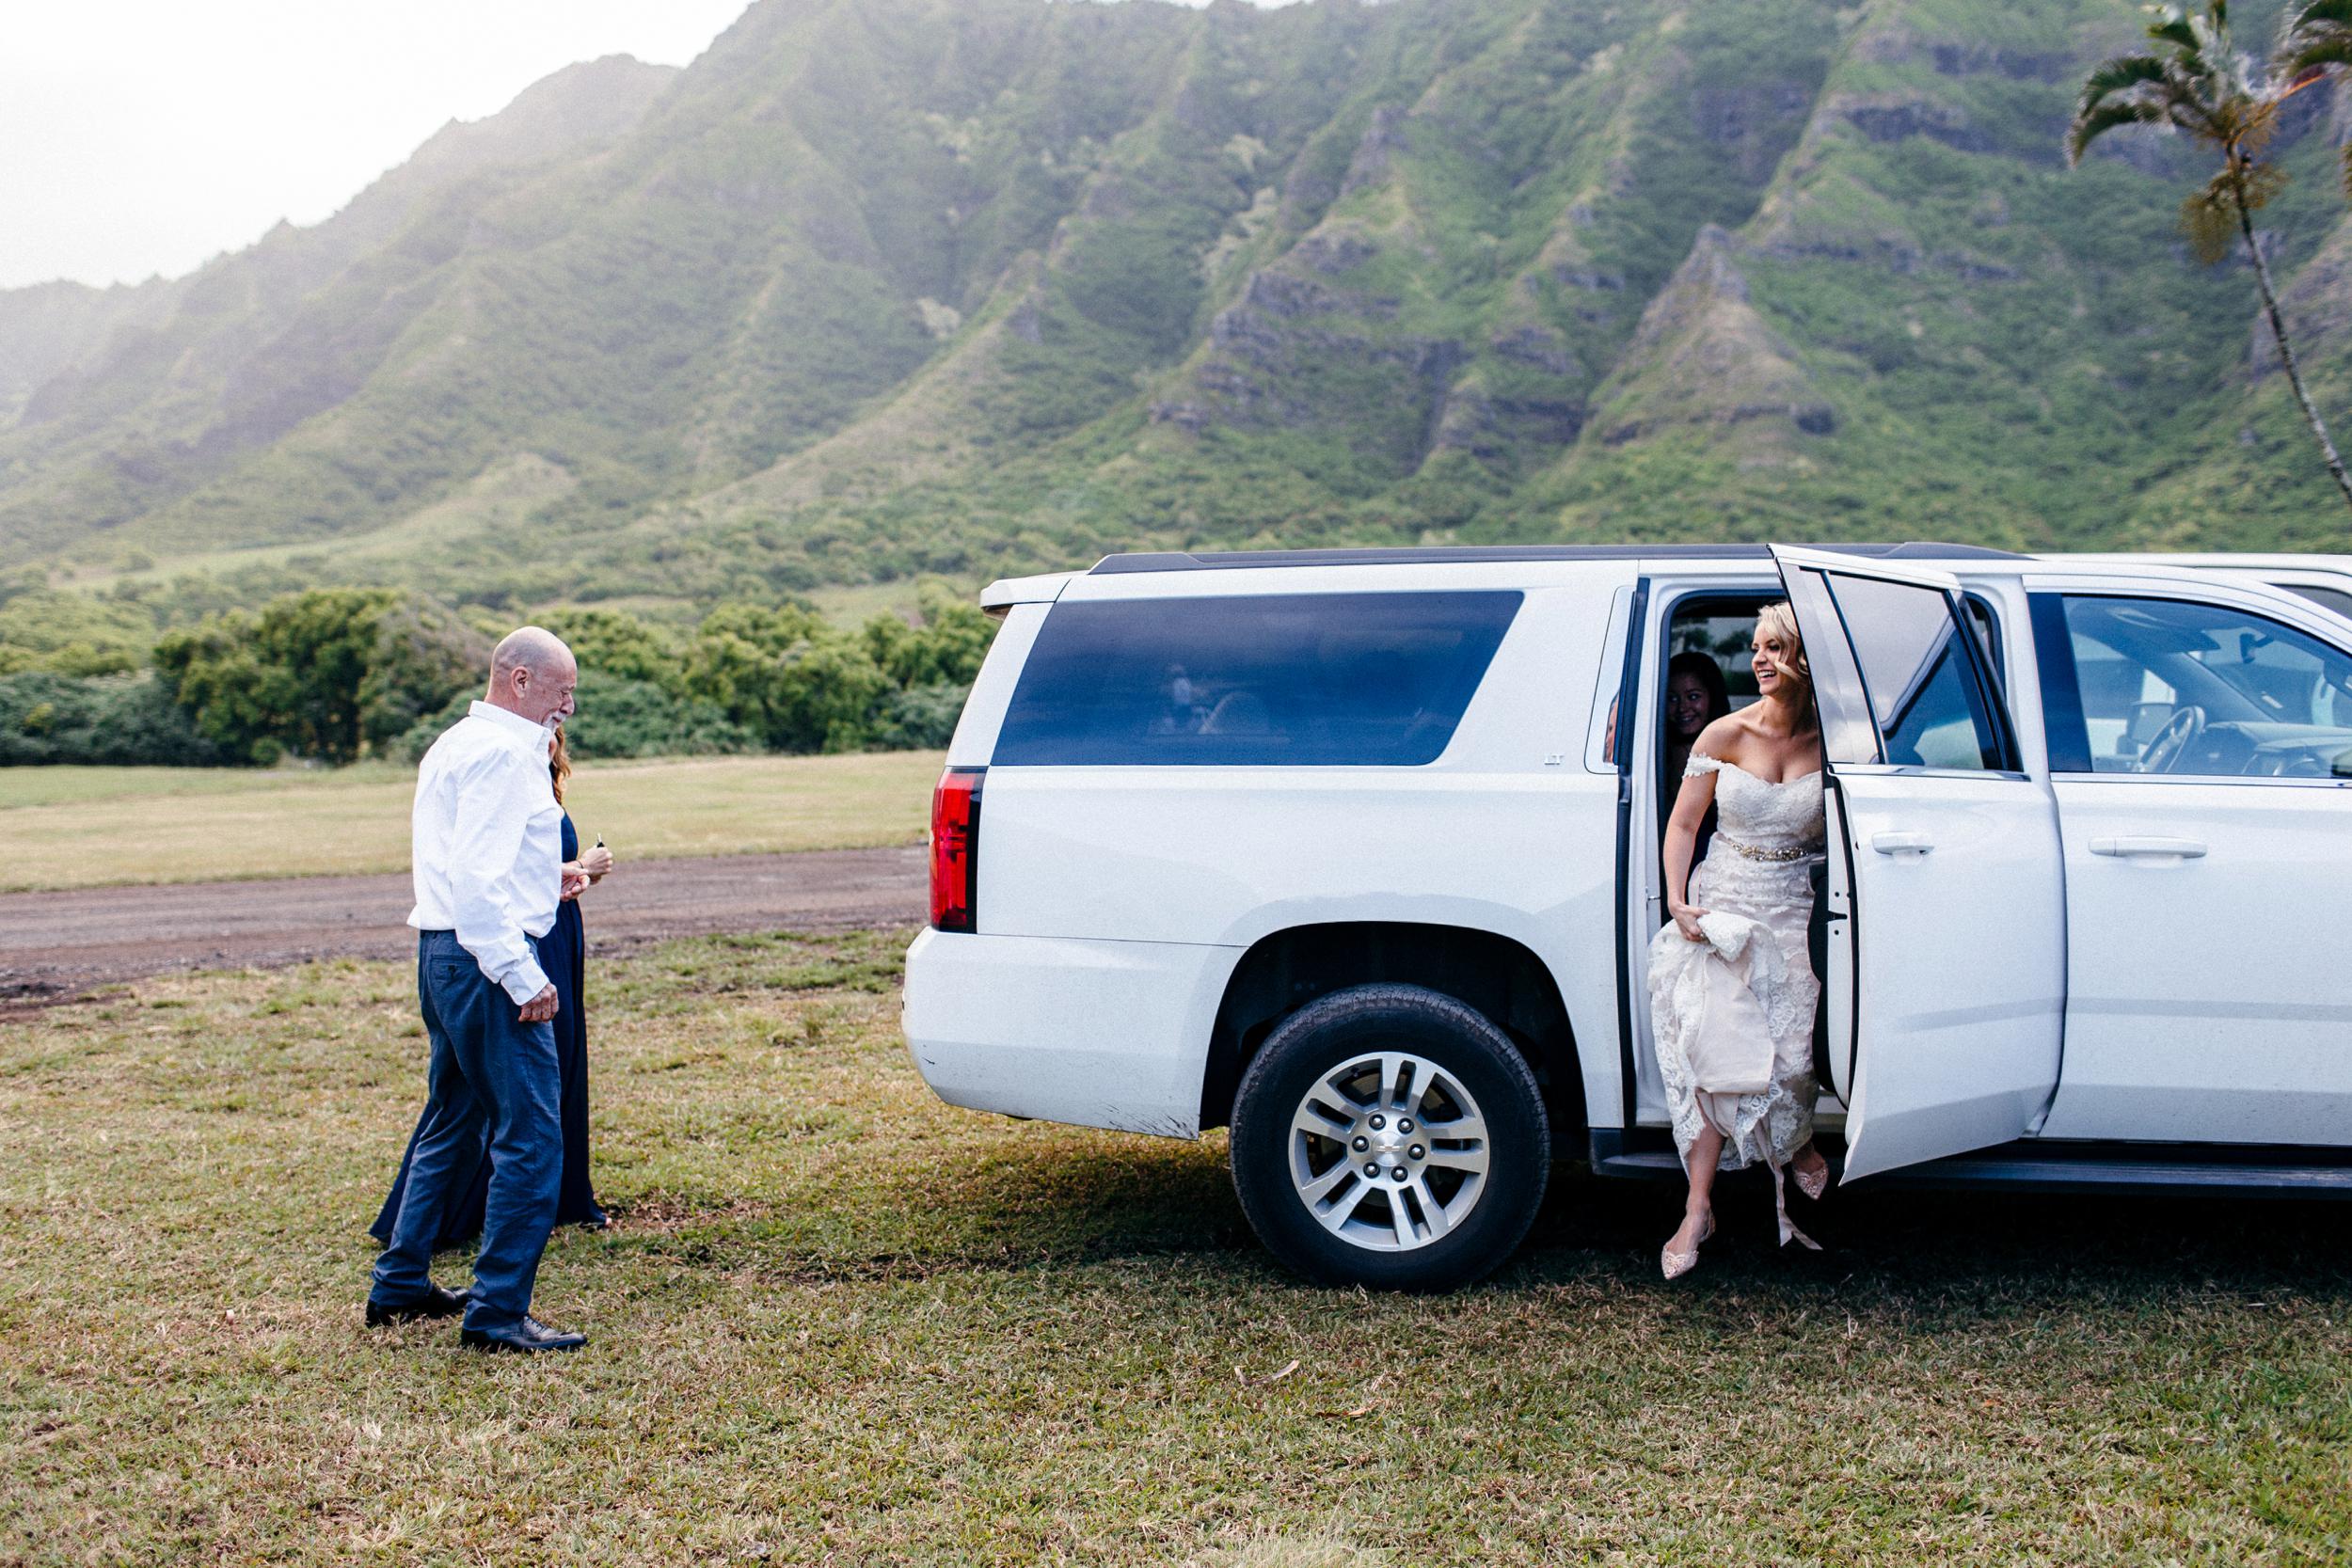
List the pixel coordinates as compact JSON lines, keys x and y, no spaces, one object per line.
{"x":1779,"y":620}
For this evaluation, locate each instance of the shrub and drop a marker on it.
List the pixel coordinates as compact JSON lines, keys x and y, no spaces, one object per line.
{"x":412,"y":744}
{"x":112,"y":720}
{"x":947,"y":648}
{"x":616,"y":718}
{"x":326,"y":674}
{"x":920,"y":719}
{"x":787,"y":677}
{"x":613,"y":643}
{"x":802,"y":686}
{"x":621,"y":718}
{"x":70,"y":634}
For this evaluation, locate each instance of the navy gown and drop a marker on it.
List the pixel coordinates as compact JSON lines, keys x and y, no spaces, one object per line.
{"x":564,"y":956}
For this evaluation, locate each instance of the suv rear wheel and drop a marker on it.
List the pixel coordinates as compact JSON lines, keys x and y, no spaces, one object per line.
{"x":1389,"y":1136}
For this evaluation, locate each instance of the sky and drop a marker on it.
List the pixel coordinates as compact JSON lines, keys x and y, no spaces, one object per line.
{"x":140,"y":137}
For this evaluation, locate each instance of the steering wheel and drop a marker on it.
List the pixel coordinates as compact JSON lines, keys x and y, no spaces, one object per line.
{"x":2170,"y":743}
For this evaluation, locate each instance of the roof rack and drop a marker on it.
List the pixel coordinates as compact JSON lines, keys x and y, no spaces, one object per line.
{"x":1443,"y":555}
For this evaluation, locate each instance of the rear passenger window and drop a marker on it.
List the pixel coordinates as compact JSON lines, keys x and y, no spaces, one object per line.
{"x":1300,"y":680}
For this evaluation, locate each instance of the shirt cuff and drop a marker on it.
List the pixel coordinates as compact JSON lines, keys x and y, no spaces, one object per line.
{"x":524,"y":981}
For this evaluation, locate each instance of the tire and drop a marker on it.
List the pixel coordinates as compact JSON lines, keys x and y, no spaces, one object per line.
{"x":1341,"y":1083}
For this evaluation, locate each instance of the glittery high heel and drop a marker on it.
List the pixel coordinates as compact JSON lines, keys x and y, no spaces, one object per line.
{"x":1676,"y":1264}
{"x":1814,"y":1183}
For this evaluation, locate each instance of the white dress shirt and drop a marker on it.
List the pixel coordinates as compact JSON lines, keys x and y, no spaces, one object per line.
{"x":488,"y":844}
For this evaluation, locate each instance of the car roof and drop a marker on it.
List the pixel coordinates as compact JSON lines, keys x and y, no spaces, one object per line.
{"x":1975,"y":561}
{"x":2232,"y":561}
{"x":1444,"y":554}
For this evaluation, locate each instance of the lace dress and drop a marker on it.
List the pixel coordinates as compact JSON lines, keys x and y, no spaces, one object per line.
{"x":1732,"y":1016}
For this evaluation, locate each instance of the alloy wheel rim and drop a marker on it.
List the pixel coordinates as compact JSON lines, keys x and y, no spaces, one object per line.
{"x":1388,"y":1151}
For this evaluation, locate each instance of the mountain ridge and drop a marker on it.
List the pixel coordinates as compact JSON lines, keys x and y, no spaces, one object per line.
{"x":969,"y":286}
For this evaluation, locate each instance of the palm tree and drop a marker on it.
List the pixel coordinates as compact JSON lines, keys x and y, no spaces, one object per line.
{"x":2193,"y":82}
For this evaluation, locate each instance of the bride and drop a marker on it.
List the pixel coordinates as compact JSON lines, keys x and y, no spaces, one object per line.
{"x":1731,"y":987}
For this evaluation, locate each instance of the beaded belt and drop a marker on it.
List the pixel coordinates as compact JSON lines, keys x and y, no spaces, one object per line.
{"x":1756,"y":853}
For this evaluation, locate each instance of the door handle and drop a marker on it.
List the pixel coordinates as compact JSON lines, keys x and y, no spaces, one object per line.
{"x":1902,"y":844}
{"x":2149,"y":849}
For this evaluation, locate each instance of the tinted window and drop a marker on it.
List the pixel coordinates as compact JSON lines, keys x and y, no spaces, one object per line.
{"x":1925,"y":697}
{"x":2327,"y":598}
{"x":2171,"y":686}
{"x":1308,"y":679}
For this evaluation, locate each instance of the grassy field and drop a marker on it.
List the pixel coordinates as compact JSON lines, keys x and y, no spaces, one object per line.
{"x":82,"y":827}
{"x":837,"y":1321}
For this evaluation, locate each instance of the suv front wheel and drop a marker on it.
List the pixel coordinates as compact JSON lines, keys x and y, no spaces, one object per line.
{"x":1393,"y":1137}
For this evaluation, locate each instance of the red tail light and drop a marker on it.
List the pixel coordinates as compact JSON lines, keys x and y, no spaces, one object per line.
{"x":956,"y":848}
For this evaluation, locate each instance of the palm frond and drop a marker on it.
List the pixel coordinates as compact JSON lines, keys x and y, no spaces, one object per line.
{"x":2314,"y":38}
{"x":2171,"y":27}
{"x":2121,"y":74}
{"x":2090,"y":126}
{"x":2312,"y":51}
{"x":2316,"y":14}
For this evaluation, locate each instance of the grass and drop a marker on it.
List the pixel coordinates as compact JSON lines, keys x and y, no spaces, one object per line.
{"x":837,"y":1321}
{"x":85,"y":827}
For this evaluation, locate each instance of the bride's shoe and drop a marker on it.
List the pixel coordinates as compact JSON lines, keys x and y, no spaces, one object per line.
{"x":1814,"y":1183}
{"x":1676,"y":1264}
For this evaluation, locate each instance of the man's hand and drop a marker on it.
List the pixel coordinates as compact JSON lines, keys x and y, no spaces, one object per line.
{"x":541,"y":1007}
{"x":574,"y":881}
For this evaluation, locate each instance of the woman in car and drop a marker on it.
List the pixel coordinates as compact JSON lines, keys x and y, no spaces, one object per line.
{"x":1695,"y":698}
{"x":1732,"y":989}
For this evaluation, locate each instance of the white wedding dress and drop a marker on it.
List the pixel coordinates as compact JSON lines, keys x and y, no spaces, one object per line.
{"x":1733,"y":1016}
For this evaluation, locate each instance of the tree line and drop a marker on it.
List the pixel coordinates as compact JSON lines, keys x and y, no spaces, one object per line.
{"x":336,"y":674}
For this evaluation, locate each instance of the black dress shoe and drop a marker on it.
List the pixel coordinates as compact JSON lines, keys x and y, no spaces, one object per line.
{"x":527,"y":1338}
{"x":435,"y":1303}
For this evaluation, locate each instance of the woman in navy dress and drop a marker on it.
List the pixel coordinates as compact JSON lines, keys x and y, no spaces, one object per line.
{"x":564,"y":958}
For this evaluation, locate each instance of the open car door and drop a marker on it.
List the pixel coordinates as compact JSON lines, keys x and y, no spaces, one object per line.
{"x":1948,"y":913}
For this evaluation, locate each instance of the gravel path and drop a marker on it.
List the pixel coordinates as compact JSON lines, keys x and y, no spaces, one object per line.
{"x":54,"y":946}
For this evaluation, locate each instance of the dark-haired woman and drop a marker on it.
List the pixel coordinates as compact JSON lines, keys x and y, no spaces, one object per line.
{"x":564,"y":958}
{"x":1695,"y":698}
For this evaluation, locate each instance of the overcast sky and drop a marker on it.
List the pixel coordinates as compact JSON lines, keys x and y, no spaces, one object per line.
{"x":145,"y":136}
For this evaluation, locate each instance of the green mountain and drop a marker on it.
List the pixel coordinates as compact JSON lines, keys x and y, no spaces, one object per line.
{"x":879,"y":288}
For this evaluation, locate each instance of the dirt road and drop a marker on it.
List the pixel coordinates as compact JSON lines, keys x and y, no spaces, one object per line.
{"x":57,"y":945}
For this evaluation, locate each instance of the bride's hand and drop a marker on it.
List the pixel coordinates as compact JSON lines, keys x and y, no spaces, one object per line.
{"x":1686,"y":922}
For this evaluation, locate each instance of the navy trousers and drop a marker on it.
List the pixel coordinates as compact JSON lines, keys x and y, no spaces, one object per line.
{"x":493,"y":1086}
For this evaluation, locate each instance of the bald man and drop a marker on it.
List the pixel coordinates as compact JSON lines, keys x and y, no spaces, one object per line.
{"x":488,"y":841}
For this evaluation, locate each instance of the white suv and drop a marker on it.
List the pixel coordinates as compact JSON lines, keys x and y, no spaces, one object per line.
{"x":1358,"y":852}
